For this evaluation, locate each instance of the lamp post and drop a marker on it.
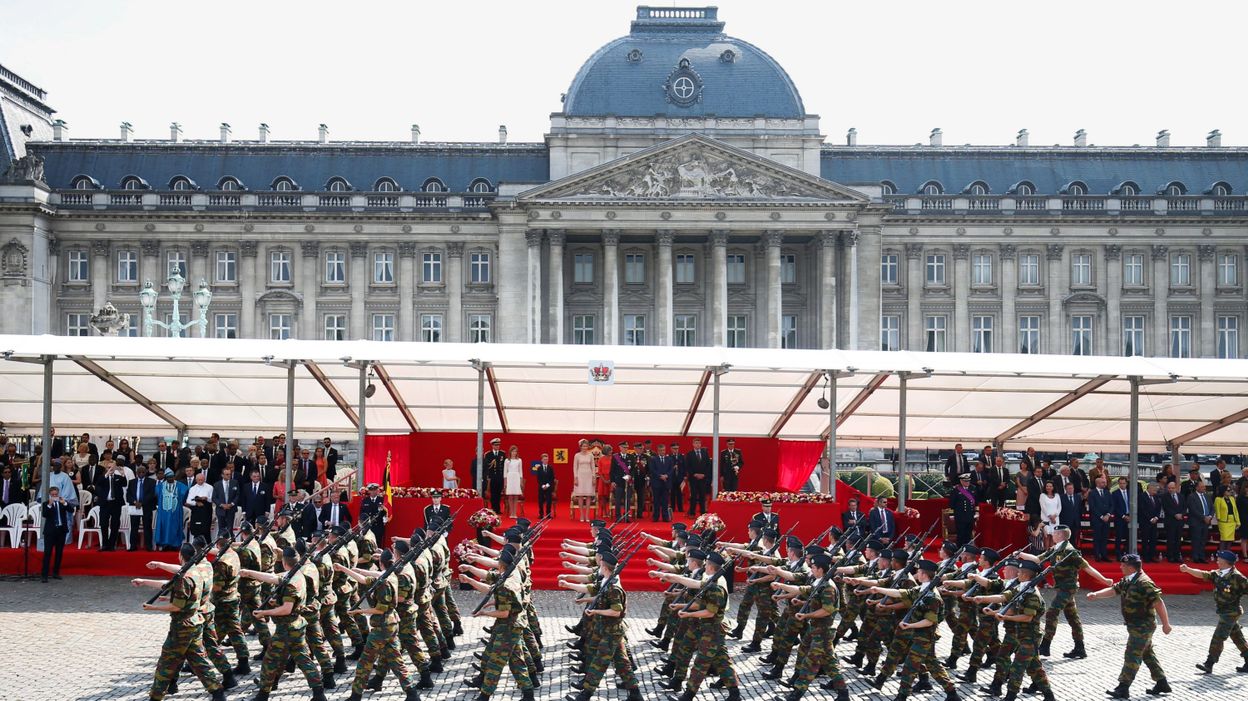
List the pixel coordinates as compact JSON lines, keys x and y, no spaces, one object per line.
{"x":175,"y":327}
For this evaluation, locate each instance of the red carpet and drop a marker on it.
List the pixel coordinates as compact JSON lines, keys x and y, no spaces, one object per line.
{"x":88,"y":561}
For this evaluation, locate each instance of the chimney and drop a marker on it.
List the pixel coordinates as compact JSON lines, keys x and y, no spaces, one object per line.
{"x":1081,"y":138}
{"x":322,"y":134}
{"x":851,"y":137}
{"x":1214,"y":140}
{"x":60,"y":130}
{"x":225,"y":133}
{"x":1021,"y":139}
{"x":502,"y":133}
{"x":264,"y":133}
{"x":415,"y":133}
{"x":936,"y":138}
{"x":175,"y":132}
{"x":127,"y":131}
{"x":1163,"y":138}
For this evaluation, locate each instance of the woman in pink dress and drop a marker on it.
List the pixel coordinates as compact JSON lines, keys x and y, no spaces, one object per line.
{"x":584,"y":470}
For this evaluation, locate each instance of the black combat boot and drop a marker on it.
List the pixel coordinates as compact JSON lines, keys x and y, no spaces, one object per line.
{"x":457,"y":629}
{"x":228,"y":681}
{"x":687,"y":696}
{"x":525,"y":695}
{"x":734,"y":694}
{"x":328,"y":681}
{"x":261,"y":696}
{"x":357,"y":652}
{"x":1161,"y":687}
{"x":450,"y":642}
{"x":754,"y":646}
{"x":993,"y":689}
{"x":902,"y":695}
{"x":842,"y":694}
{"x":969,"y":676}
{"x":656,"y":631}
{"x":260,"y":655}
{"x":474,"y":682}
{"x":340,"y":663}
{"x":318,"y":693}
{"x":717,"y":684}
{"x":426,"y":680}
{"x":218,"y":695}
{"x":1032,"y":688}
{"x":667,"y":670}
{"x":769,"y":658}
{"x":878,"y":682}
{"x":924,"y":684}
{"x":243,"y":667}
{"x":672,"y":684}
{"x":1043,"y":650}
{"x":355,"y":697}
{"x":290,"y":664}
{"x":660,"y":644}
{"x":774,"y":673}
{"x":1206,"y":666}
{"x":951,"y":662}
{"x":869,"y":669}
{"x":855,"y":660}
{"x":173,"y":686}
{"x":435,"y":665}
{"x":736,"y":632}
{"x":1011,"y":696}
{"x":1078,"y":653}
{"x":411,"y":695}
{"x":375,"y":683}
{"x":952,"y":695}
{"x":1244,"y":666}
{"x":1048,"y":695}
{"x":582,"y":696}
{"x":634,"y":694}
{"x":1122,"y":691}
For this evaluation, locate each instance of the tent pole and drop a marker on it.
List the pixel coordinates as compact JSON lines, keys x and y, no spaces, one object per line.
{"x":363,"y":427}
{"x":1134,"y":469}
{"x":480,"y":470}
{"x":901,"y":441}
{"x":45,"y":468}
{"x":829,"y":481}
{"x":290,"y":424}
{"x":715,"y":436}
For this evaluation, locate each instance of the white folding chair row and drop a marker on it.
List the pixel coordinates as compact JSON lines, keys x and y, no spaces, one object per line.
{"x":11,"y":523}
{"x":90,"y":524}
{"x":35,"y":514}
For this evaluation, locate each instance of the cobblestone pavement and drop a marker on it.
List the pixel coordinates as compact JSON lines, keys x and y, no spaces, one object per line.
{"x":86,"y":638}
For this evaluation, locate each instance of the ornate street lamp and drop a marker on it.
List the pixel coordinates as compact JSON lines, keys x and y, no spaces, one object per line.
{"x":202,"y":298}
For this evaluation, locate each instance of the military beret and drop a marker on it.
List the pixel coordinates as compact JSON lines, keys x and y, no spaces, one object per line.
{"x":757,"y":525}
{"x":604,"y":537}
{"x":972,"y":550}
{"x":603,"y":549}
{"x":835,"y":532}
{"x":1063,"y":528}
{"x":813,"y":550}
{"x":771,"y":533}
{"x":609,"y":559}
{"x":900,"y":555}
{"x":708,"y":534}
{"x":765,"y":502}
{"x":716,"y":558}
{"x":289,"y":552}
{"x":927,"y":566}
{"x":245,"y":528}
{"x":523,"y":522}
{"x":1033,"y":567}
{"x":262,"y":521}
{"x":694,"y":540}
{"x":318,"y":534}
{"x":1012,"y":562}
{"x":875,"y":545}
{"x":338,"y":530}
{"x":508,"y":548}
{"x":514,"y":537}
{"x":696,"y":554}
{"x":506,"y":558}
{"x":1228,"y":556}
{"x":886,"y":554}
{"x":822,"y":561}
{"x":187,"y":551}
{"x":683,"y":536}
{"x":950,"y":546}
{"x":1130,"y":559}
{"x":199,"y":542}
{"x":989,"y":554}
{"x":301,"y":546}
{"x":597,"y":523}
{"x":793,"y":542}
{"x":224,"y":535}
{"x":678,"y":526}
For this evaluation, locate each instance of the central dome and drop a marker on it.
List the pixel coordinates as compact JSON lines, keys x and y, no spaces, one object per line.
{"x":677,"y":62}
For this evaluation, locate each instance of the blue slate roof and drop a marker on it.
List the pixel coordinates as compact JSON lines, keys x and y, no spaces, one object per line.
{"x":1048,"y":169}
{"x":750,"y":84}
{"x":310,"y":165}
{"x":6,"y":148}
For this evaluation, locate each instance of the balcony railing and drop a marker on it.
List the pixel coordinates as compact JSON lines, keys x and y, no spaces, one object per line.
{"x":1031,"y":204}
{"x":175,"y":200}
{"x":75,"y":199}
{"x":383,"y":201}
{"x":1228,"y":205}
{"x":984,"y":203}
{"x":1082,"y":204}
{"x":335,"y":201}
{"x":1183,"y":204}
{"x":430,"y":201}
{"x":937,"y":203}
{"x":1135,"y":204}
{"x":225,"y":200}
{"x":279,"y":200}
{"x":125,"y":200}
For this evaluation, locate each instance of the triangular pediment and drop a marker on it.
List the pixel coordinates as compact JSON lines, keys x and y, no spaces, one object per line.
{"x":693,"y":168}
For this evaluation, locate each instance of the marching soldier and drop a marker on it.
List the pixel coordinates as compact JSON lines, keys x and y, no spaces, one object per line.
{"x":609,"y":648}
{"x":345,"y":591}
{"x":794,"y":572}
{"x":288,"y":637}
{"x":252,"y":557}
{"x":757,"y":593}
{"x":185,"y":638}
{"x":817,"y":616}
{"x":959,"y":615}
{"x":382,"y":646}
{"x":1142,"y":605}
{"x":870,"y":568}
{"x":409,"y":636}
{"x":984,"y":640}
{"x":1229,"y":586}
{"x":711,"y":651}
{"x":318,"y":647}
{"x":506,"y":643}
{"x":226,"y":598}
{"x":684,"y":631}
{"x":921,"y":654}
{"x":1066,"y":571}
{"x":1022,"y":625}
{"x":329,"y":600}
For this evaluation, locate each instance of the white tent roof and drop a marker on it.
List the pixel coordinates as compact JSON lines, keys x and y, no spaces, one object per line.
{"x":155,"y":386}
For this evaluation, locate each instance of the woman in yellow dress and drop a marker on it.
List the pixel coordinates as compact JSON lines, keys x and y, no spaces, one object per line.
{"x":1227,"y":516}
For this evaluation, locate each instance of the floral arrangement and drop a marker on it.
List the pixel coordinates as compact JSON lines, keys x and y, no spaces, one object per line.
{"x":709,"y":521}
{"x":777,"y":497}
{"x":462,"y":551}
{"x":911,"y":512}
{"x":427,"y":492}
{"x":484,"y":519}
{"x":1010,"y":514}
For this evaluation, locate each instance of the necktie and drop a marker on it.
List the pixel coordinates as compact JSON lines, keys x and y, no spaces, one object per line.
{"x":58,"y":514}
{"x":1204,"y":502}
{"x":6,"y":491}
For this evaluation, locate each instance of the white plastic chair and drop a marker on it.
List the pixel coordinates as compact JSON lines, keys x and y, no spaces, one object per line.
{"x":13,"y":515}
{"x":93,"y":518}
{"x":35,"y":514}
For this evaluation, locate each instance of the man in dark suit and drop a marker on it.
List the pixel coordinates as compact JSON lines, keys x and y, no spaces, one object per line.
{"x":225,"y":495}
{"x":375,"y":503}
{"x":1101,"y":513}
{"x":306,"y":513}
{"x":1080,"y":477}
{"x":852,"y":516}
{"x":215,"y":459}
{"x":268,"y":473}
{"x":11,"y":491}
{"x":111,"y":491}
{"x":979,"y":482}
{"x":141,"y":495}
{"x":962,"y":501}
{"x":336,"y":513}
{"x":1215,"y":477}
{"x":955,"y":465}
{"x":544,"y":473}
{"x":767,"y":516}
{"x":698,"y":473}
{"x":676,"y":498}
{"x":1122,"y":517}
{"x":730,"y":465}
{"x":998,"y":480}
{"x":437,"y":510}
{"x":305,"y":469}
{"x":881,"y":516}
{"x":89,"y":478}
{"x":1071,"y":515}
{"x":1174,"y":506}
{"x":1189,"y":486}
{"x":331,"y":460}
{"x":57,"y":515}
{"x":1035,"y":487}
{"x":1199,"y":517}
{"x":493,"y":474}
{"x":1031,"y":461}
{"x":661,"y":468}
{"x":1148,"y":514}
{"x":255,"y":497}
{"x":179,"y":456}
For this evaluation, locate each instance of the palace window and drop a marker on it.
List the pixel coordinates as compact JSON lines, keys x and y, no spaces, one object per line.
{"x":1081,"y":335}
{"x":686,"y":330}
{"x":279,"y":327}
{"x":583,"y":268}
{"x":227,"y":267}
{"x":225,"y":325}
{"x":634,"y":329}
{"x":736,"y":268}
{"x":1228,"y":337}
{"x":431,"y":268}
{"x":479,"y":328}
{"x":1180,"y":337}
{"x":279,"y":266}
{"x":1228,"y":270}
{"x":737,"y":330}
{"x":684,"y":268}
{"x":1081,"y":270}
{"x":889,"y":266}
{"x":1132,"y":335}
{"x":79,"y":266}
{"x":583,"y":329}
{"x":383,"y":268}
{"x":788,"y":269}
{"x":1029,"y":270}
{"x":383,"y":327}
{"x":176,"y":263}
{"x":77,"y":324}
{"x":1180,"y":270}
{"x":127,"y":266}
{"x":981,"y":269}
{"x":479,"y":268}
{"x":890,"y":332}
{"x":335,"y":327}
{"x":1029,"y":334}
{"x":335,"y":267}
{"x":981,"y":334}
{"x":1133,"y":270}
{"x":936,"y":270}
{"x":634,"y":268}
{"x":934,"y":331}
{"x":431,"y":328}
{"x":788,"y":331}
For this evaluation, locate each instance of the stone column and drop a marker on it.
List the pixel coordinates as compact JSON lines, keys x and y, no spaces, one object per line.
{"x":198,"y":270}
{"x":1056,"y":334}
{"x":1113,"y":299}
{"x":360,"y":327}
{"x":246,"y":288}
{"x":915,"y":340}
{"x":1208,"y":347}
{"x":407,"y":290}
{"x":309,"y":323}
{"x":262,"y":283}
{"x":827,"y":289}
{"x":961,"y":298}
{"x":663,"y":298}
{"x":864,"y":270}
{"x":556,"y":282}
{"x":611,"y":285}
{"x":1161,"y":289}
{"x":719,"y":287}
{"x":101,"y":281}
{"x":1008,"y":289}
{"x":510,"y":278}
{"x":455,"y":292}
{"x":150,"y":262}
{"x":772,"y":240}
{"x":533,"y":285}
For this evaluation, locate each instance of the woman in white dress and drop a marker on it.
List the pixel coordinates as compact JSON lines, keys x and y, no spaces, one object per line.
{"x":513,"y":480}
{"x":584,"y":470}
{"x":1050,"y":512}
{"x":450,"y":478}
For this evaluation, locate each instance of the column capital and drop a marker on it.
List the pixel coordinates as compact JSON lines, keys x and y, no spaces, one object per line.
{"x":961,"y":251}
{"x":665,"y":237}
{"x":1007,"y":251}
{"x":1206,"y":252}
{"x":773,"y":238}
{"x":827,"y":239}
{"x":1160,"y":252}
{"x":1113,"y":251}
{"x":455,"y":249}
{"x":359,"y":249}
{"x":557,"y":237}
{"x":533,"y":237}
{"x":151,"y":247}
{"x":199,"y":247}
{"x":850,"y":238}
{"x":914,"y":251}
{"x":1053,"y":251}
{"x":246,"y":249}
{"x":407,"y":248}
{"x":99,"y":247}
{"x":610,"y":237}
{"x":718,"y":237}
{"x":311,"y":249}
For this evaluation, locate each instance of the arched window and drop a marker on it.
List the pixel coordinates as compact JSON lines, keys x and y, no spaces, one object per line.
{"x":229,"y":183}
{"x":133,"y":182}
{"x":1076,"y":188}
{"x":433,"y":185}
{"x":337,"y":184}
{"x":1127,"y":188}
{"x":181,"y":183}
{"x":888,"y":187}
{"x":1023,"y":187}
{"x":979,"y":187}
{"x":386,"y":185}
{"x":1174,"y":188}
{"x":84,"y":182}
{"x":1221,"y":189}
{"x":284,"y":184}
{"x":480,"y":185}
{"x":932,"y":187}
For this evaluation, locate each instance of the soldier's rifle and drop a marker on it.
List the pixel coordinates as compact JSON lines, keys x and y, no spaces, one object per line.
{"x":521,"y":552}
{"x":771,"y":552}
{"x":412,"y":553}
{"x":991,"y":573}
{"x":167,"y":587}
{"x":1034,"y":582}
{"x":610,"y":579}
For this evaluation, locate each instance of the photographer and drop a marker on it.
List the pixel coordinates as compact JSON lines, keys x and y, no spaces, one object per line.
{"x":199,"y":498}
{"x":57,"y":515}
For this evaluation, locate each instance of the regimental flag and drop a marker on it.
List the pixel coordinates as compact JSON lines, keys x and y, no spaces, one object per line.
{"x":385,"y":483}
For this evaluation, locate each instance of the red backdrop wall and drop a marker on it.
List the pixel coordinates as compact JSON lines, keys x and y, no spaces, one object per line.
{"x":416,"y":458}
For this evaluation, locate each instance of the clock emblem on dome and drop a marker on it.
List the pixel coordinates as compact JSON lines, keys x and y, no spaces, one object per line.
{"x":684,"y":85}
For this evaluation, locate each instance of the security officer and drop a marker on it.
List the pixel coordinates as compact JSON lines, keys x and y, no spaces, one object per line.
{"x":1229,"y":586}
{"x":1141,"y":602}
{"x":373,"y":503}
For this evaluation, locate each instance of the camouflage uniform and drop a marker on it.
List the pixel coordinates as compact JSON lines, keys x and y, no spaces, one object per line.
{"x":609,"y":645}
{"x":184,"y":641}
{"x":855,"y":604}
{"x":288,"y":640}
{"x":318,"y":647}
{"x":444,"y":584}
{"x":225,"y":597}
{"x":1227,"y":591}
{"x":409,"y":638}
{"x":382,"y":646}
{"x":252,"y":557}
{"x":757,"y":595}
{"x":985,"y":640}
{"x":438,"y":572}
{"x":506,"y":645}
{"x":788,"y":628}
{"x":345,"y":589}
{"x":426,"y":619}
{"x":1026,"y":657}
{"x":368,"y":555}
{"x":1066,"y":584}
{"x":711,"y":651}
{"x":822,"y":654}
{"x":202,"y":571}
{"x":1136,"y":596}
{"x":684,"y":632}
{"x":329,"y":602}
{"x":1009,"y":639}
{"x":921,"y":655}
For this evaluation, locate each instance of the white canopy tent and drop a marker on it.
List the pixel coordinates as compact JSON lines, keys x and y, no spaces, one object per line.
{"x":165,"y":386}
